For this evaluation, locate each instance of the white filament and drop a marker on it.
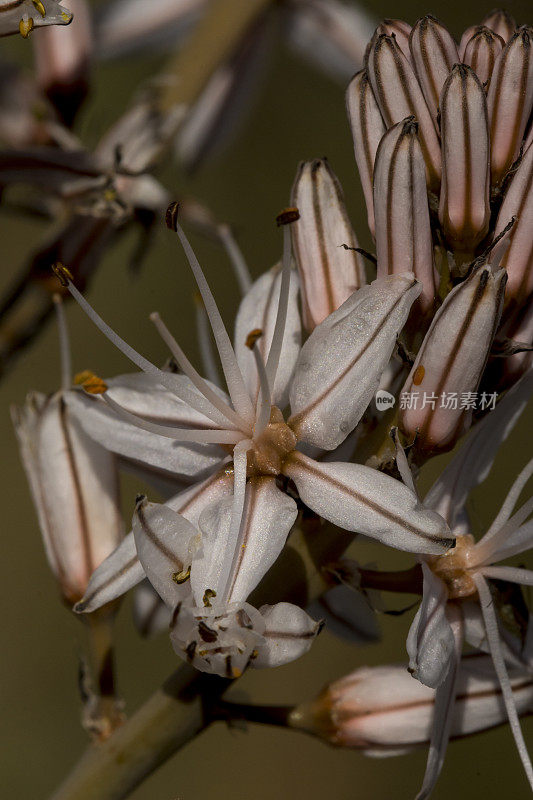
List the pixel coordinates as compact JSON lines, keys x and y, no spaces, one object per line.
{"x":240,"y":267}
{"x":264,"y":406}
{"x":195,"y":378}
{"x":178,"y":434}
{"x":510,"y":501}
{"x":64,"y":343}
{"x":235,"y":382}
{"x":485,"y":549}
{"x":240,"y":459}
{"x":193,"y":400}
{"x":513,"y":574}
{"x":493,"y":638}
{"x":274,"y":353}
{"x":204,"y":342}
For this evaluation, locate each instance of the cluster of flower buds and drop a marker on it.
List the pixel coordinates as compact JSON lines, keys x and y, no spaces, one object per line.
{"x":444,"y":152}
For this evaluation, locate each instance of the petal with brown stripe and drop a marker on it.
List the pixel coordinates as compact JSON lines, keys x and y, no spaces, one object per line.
{"x":289,"y":633}
{"x":481,"y":51}
{"x":434,"y":53}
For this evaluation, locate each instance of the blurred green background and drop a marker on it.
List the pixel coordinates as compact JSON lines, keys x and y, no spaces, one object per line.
{"x":297,"y":114}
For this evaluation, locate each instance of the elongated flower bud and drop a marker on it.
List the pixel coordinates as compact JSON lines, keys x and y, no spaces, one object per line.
{"x":464,"y":209}
{"x":367,"y":128}
{"x":510,"y":99}
{"x":400,"y":30}
{"x":74,"y":484}
{"x":399,"y":95}
{"x":481,"y":51}
{"x":403,"y":232}
{"x":434,"y":53}
{"x":383,"y":711}
{"x":501,"y":22}
{"x":329,"y":272}
{"x":437,"y":398}
{"x":518,"y":259}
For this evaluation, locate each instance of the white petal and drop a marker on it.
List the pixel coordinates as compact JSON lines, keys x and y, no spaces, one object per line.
{"x":22,"y":11}
{"x":268,"y":516}
{"x":346,"y":614}
{"x":517,"y":542}
{"x":289,"y":633}
{"x":340,"y":365}
{"x":361,"y":499}
{"x":140,"y":394}
{"x":258,"y":309}
{"x":165,"y":543}
{"x":118,"y":573}
{"x":430,"y":642}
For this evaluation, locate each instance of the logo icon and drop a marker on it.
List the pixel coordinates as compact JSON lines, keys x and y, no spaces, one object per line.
{"x":384,"y":400}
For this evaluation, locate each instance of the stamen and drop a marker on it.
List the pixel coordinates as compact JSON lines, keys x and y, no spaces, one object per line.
{"x":195,"y":377}
{"x":484,"y":550}
{"x":192,"y":399}
{"x":240,"y":267}
{"x":240,"y":459}
{"x":401,"y":462}
{"x":235,"y":382}
{"x":274,"y":354}
{"x":510,"y":501}
{"x":90,"y":382}
{"x":493,"y":638}
{"x":178,"y":434}
{"x":64,"y":343}
{"x":204,"y":341}
{"x":264,"y":406}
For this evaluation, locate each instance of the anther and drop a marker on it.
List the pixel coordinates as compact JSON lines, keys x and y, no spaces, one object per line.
{"x":253,"y":337}
{"x":181,"y":577}
{"x":171,"y":216}
{"x":90,"y":382}
{"x":140,"y":499}
{"x":40,"y":8}
{"x":287,"y":216}
{"x":208,"y":595}
{"x":25,"y":26}
{"x":63,"y":274}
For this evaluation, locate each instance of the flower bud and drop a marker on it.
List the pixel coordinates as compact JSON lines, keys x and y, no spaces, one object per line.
{"x":74,"y":483}
{"x":399,"y":95}
{"x":329,"y":272}
{"x":400,"y":30}
{"x":384,"y":711}
{"x":367,"y":128}
{"x":464,"y":208}
{"x":509,"y":100}
{"x":481,"y":51}
{"x":447,"y":370}
{"x":403,"y":231}
{"x":501,"y":22}
{"x":518,"y":258}
{"x":434,"y":53}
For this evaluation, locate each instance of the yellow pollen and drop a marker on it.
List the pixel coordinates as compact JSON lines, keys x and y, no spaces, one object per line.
{"x":63,"y":273}
{"x":418,"y":377}
{"x":287,"y":215}
{"x":253,"y":337}
{"x":40,"y":8}
{"x":90,"y":382}
{"x":25,"y":26}
{"x":236,"y":672}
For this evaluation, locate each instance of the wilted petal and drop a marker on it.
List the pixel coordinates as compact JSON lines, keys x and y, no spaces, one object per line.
{"x":399,"y":95}
{"x":481,"y":51}
{"x":473,"y":461}
{"x":518,"y":258}
{"x":150,"y":614}
{"x":464,"y":208}
{"x":165,"y":543}
{"x":268,"y":516}
{"x":347,"y":614}
{"x":142,"y":395}
{"x":501,"y":22}
{"x":509,"y":100}
{"x":50,"y":169}
{"x":119,"y":572}
{"x":329,"y":273}
{"x":367,"y":128}
{"x":430,"y":642}
{"x":258,"y":311}
{"x":363,"y":500}
{"x":75,"y":488}
{"x":403,"y":231}
{"x":400,"y":30}
{"x":289,"y":633}
{"x":450,"y":363}
{"x":340,"y":365}
{"x":331,"y":34}
{"x":126,"y":26}
{"x":434,"y":53}
{"x":22,"y":16}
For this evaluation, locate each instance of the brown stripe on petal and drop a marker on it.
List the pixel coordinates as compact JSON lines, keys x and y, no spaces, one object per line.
{"x":464,"y":209}
{"x":434,"y":53}
{"x":151,"y":535}
{"x":481,"y":52}
{"x":501,"y":22}
{"x":400,"y":30}
{"x":87,"y":600}
{"x":510,"y":100}
{"x":248,"y":521}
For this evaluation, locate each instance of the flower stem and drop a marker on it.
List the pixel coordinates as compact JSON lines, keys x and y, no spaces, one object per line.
{"x":103,"y":709}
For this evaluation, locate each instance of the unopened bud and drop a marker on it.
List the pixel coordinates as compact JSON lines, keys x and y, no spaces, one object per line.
{"x":481,"y":51}
{"x":434,"y":53}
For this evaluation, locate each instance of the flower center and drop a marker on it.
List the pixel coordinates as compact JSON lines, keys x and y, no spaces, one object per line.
{"x":272,"y":446}
{"x":454,"y":568}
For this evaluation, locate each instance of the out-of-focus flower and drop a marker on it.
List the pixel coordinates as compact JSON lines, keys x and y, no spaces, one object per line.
{"x":220,"y":526}
{"x":22,"y":16}
{"x":457,"y":599}
{"x":384,"y":712}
